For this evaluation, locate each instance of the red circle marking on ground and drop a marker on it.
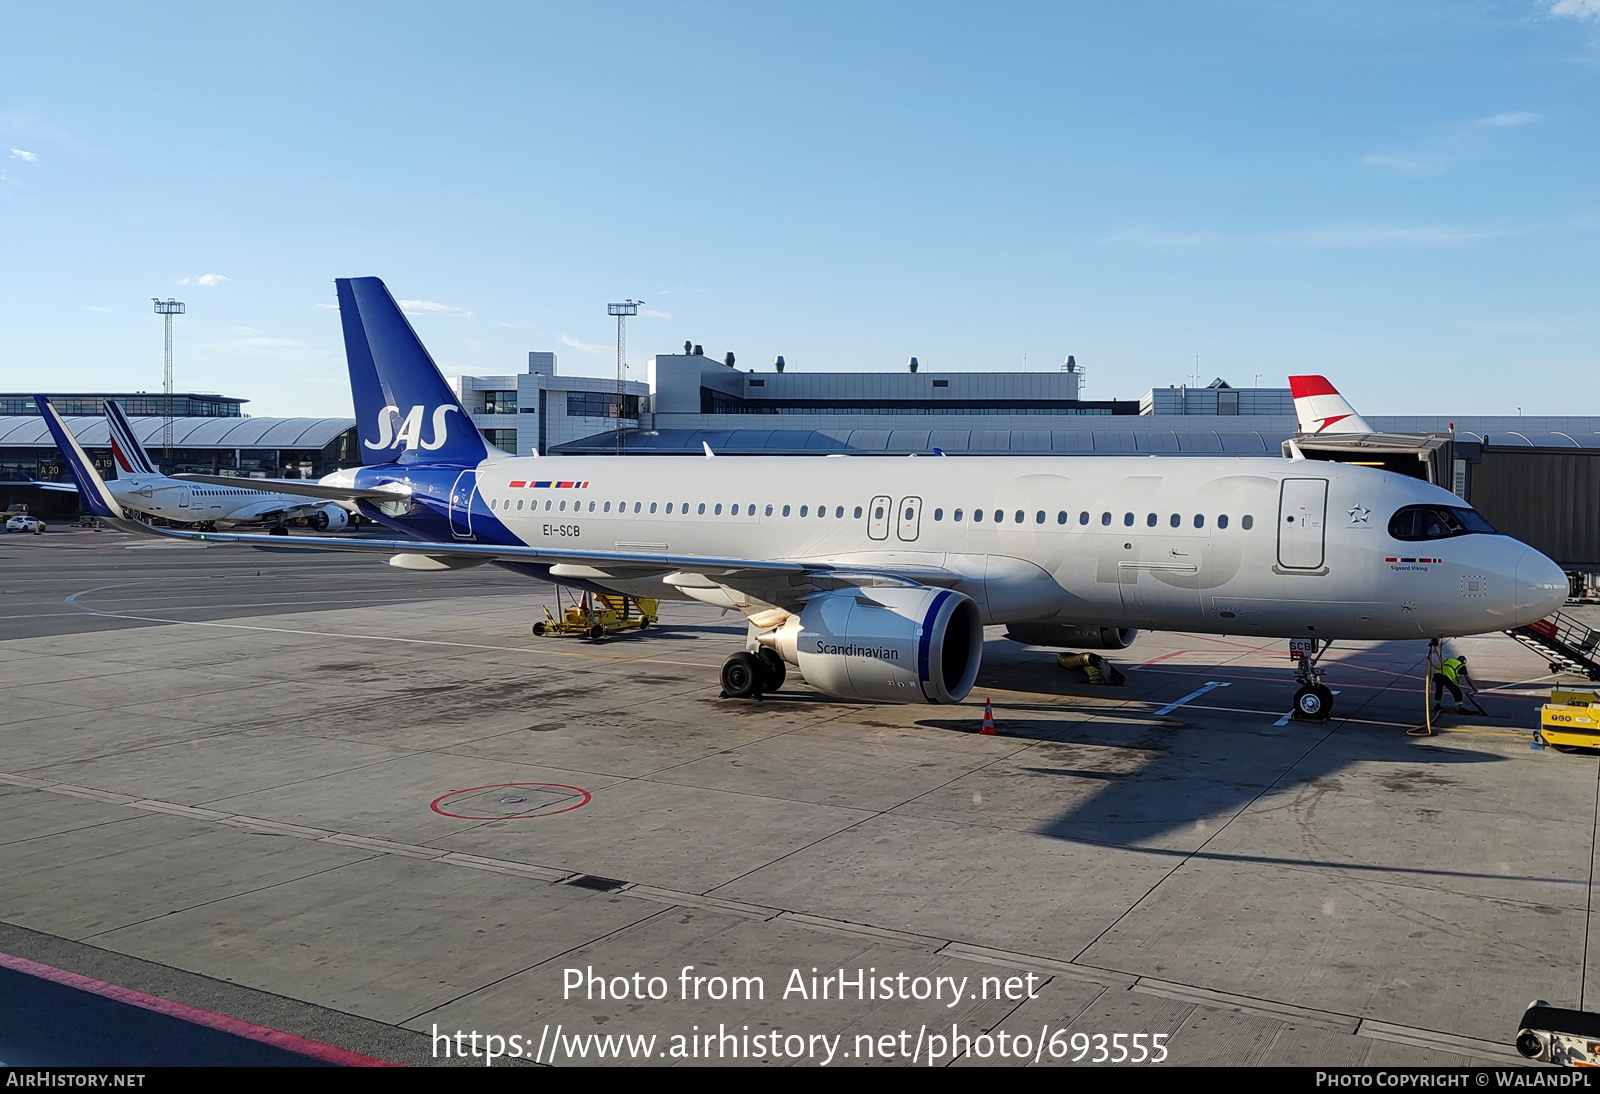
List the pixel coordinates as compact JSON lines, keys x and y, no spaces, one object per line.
{"x":434,"y":805}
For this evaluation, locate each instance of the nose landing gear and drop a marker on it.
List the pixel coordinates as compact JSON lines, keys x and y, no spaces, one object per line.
{"x":1313,"y":702}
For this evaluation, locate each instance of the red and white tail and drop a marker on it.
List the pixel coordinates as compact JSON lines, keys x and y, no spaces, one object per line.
{"x":1319,"y":408}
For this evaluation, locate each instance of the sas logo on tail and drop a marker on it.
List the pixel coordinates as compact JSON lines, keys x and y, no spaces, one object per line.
{"x":409,"y":435}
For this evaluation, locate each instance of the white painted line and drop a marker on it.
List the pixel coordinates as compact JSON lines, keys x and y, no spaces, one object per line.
{"x":1209,"y":684}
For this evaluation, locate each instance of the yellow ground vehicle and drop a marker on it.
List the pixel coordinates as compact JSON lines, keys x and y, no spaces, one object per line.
{"x":1571,"y":719}
{"x":597,"y":615}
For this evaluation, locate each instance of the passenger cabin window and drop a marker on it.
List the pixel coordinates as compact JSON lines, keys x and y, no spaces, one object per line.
{"x":1061,"y":518}
{"x":1083,"y":517}
{"x":1222,"y":521}
{"x":804,"y":509}
{"x":977,"y":514}
{"x":956,"y":515}
{"x":938,"y":514}
{"x":1176,"y":520}
{"x":1418,"y":522}
{"x":1127,"y":520}
{"x":1105,"y":518}
{"x":785,"y":510}
{"x":1247,"y":522}
{"x":858,"y":512}
{"x":1150,"y":520}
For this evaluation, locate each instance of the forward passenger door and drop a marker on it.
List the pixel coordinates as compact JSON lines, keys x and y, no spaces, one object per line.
{"x":878,"y":518}
{"x":910,"y":518}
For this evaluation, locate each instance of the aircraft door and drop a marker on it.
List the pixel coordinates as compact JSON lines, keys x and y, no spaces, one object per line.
{"x":909,"y":515}
{"x":461,"y":504}
{"x":878,"y":518}
{"x":183,"y":497}
{"x":1302,"y":523}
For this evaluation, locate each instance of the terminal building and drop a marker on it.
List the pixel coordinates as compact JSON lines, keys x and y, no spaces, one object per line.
{"x":1535,"y":477}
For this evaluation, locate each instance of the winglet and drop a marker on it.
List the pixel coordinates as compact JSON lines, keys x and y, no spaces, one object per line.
{"x":93,"y":494}
{"x":1321,"y":409}
{"x":707,"y":446}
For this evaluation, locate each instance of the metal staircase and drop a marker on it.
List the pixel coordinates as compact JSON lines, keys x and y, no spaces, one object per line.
{"x":1566,"y":644}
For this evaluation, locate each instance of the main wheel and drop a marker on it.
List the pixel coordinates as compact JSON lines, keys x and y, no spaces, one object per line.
{"x":1313,"y":703}
{"x":773,"y":670}
{"x":539,"y":629}
{"x":596,"y":633}
{"x":741,"y":676}
{"x":644,"y":621}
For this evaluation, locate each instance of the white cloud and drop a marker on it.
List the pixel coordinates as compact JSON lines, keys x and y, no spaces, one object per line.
{"x":432,"y":307}
{"x":1576,"y":9}
{"x":1443,"y":149}
{"x":210,"y":281}
{"x":1507,"y":119}
{"x":1349,"y":235}
{"x":30,"y":157}
{"x":1366,"y":235}
{"x":91,"y":307}
{"x":326,"y":307}
{"x":598,"y":351}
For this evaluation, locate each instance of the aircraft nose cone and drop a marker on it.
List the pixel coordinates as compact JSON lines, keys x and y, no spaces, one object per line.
{"x":1541,"y":587}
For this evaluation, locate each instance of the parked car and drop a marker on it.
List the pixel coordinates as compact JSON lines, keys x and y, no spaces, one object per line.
{"x":24,"y":523}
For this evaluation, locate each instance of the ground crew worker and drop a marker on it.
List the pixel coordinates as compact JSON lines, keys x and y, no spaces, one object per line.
{"x":1450,"y":674}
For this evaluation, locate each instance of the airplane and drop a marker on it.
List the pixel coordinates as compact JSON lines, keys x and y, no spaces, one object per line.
{"x":215,"y":502}
{"x":875,"y":576}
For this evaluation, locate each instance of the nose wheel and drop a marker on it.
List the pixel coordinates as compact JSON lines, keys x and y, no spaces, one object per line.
{"x":1313,"y":702}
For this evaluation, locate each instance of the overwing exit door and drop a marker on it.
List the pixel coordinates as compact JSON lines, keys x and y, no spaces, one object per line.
{"x":878,"y":518}
{"x":909,"y":516}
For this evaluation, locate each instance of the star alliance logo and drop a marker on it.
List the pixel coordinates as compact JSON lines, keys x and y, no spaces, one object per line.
{"x":1359,"y":514}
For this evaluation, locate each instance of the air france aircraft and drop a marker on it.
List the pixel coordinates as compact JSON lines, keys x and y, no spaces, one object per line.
{"x":208,"y":505}
{"x":875,"y":576}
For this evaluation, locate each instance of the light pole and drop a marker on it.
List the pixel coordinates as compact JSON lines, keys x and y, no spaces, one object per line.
{"x":622,"y":311}
{"x":167,"y":308}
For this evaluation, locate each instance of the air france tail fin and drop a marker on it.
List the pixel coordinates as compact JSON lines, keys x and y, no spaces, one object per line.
{"x":129,"y":454}
{"x":1319,"y":408}
{"x":405,"y":410}
{"x":93,"y":495}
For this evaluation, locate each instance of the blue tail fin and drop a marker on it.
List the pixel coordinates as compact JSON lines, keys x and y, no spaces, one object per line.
{"x":404,"y":409}
{"x":93,"y":496}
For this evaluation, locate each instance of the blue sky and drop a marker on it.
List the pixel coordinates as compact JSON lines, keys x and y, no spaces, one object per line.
{"x":1400,"y":195}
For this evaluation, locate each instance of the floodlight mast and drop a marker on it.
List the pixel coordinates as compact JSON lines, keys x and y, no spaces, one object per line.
{"x":622,"y":311}
{"x":168,"y":308}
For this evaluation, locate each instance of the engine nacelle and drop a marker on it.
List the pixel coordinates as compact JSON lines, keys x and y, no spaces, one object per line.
{"x":1070,"y":637}
{"x":331,"y":518}
{"x":890,"y":644}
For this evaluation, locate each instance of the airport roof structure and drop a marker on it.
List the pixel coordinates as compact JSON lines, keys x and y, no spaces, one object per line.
{"x":30,"y":430}
{"x":1206,"y":435}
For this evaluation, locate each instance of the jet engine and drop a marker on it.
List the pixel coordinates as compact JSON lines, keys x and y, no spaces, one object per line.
{"x":1077,"y":638}
{"x":331,"y":518}
{"x":896,"y":644}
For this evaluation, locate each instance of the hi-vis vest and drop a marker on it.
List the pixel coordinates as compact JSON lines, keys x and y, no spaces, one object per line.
{"x":1451,"y":667}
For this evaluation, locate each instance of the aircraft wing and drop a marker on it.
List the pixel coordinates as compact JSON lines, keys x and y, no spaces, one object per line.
{"x":303,"y":487}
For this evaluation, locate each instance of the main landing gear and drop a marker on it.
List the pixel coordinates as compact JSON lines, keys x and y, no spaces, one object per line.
{"x":1313,"y":702}
{"x":750,"y":675}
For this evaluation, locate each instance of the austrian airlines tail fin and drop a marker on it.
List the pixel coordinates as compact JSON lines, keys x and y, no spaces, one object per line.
{"x":129,"y":454}
{"x":1320,"y":408}
{"x":404,"y":408}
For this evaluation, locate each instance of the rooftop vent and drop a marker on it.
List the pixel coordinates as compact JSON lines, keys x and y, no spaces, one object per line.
{"x":1071,"y":365}
{"x":778,"y":364}
{"x":699,"y":352}
{"x":912,"y":364}
{"x":728,"y":360}
{"x":687,"y":349}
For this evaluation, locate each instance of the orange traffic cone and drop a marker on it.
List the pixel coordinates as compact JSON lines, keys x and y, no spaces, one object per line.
{"x":988,"y":729}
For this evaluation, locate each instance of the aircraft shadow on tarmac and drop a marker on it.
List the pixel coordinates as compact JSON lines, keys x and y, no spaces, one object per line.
{"x":1164,"y":786}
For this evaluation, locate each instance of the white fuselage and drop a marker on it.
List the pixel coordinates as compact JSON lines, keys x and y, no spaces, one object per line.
{"x":1264,"y":546}
{"x":193,"y":503}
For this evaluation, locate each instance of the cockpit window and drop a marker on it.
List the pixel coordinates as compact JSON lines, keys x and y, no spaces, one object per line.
{"x":1419,"y":522}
